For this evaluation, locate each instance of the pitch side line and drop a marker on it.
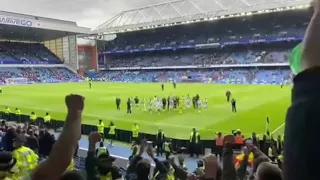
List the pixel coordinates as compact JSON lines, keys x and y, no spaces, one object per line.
{"x":277,"y":129}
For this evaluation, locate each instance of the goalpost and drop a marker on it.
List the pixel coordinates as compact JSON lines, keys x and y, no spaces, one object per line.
{"x":16,"y":81}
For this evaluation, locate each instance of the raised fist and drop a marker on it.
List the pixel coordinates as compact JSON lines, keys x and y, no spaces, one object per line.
{"x":228,"y":139}
{"x":75,"y":102}
{"x":94,"y":137}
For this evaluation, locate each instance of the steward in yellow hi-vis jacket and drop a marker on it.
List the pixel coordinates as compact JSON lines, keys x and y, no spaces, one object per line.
{"x":27,"y":159}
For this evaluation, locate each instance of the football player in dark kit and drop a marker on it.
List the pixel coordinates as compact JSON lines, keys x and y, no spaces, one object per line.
{"x":174,"y":84}
{"x":228,"y":94}
{"x":129,"y":106}
{"x":118,"y":102}
{"x":233,"y":104}
{"x":89,"y":85}
{"x":162,"y":87}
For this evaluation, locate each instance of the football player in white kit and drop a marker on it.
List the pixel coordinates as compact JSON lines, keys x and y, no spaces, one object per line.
{"x":199,"y":103}
{"x":158,"y":105}
{"x":150,"y":105}
{"x":171,"y":104}
{"x":144,"y":106}
{"x":188,"y":103}
{"x":205,"y":103}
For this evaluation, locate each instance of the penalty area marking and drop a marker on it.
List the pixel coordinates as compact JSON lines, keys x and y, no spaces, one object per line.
{"x":277,"y":129}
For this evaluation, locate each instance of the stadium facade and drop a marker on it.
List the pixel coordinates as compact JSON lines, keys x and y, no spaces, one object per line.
{"x":58,"y":36}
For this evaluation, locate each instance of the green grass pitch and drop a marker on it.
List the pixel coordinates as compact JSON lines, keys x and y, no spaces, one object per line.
{"x":254,"y":104}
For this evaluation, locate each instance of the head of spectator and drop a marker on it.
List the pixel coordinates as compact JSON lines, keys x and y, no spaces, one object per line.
{"x":143,"y":169}
{"x":268,"y":171}
{"x":72,"y":175}
{"x":101,"y":144}
{"x":19,"y":130}
{"x":181,"y":160}
{"x":7,"y":163}
{"x":105,"y":162}
{"x":19,"y":140}
{"x":31,"y":133}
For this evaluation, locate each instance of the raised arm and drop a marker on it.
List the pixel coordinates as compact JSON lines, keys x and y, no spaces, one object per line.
{"x":62,"y":151}
{"x":302,"y":121}
{"x":311,"y":42}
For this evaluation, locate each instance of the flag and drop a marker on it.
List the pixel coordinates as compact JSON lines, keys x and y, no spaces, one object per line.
{"x":267,"y":123}
{"x":295,"y":59}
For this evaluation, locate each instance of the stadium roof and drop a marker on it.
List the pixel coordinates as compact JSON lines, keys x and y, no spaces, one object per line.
{"x":173,"y":12}
{"x":14,"y":26}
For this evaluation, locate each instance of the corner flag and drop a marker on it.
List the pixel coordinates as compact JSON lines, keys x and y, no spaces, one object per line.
{"x":267,"y":123}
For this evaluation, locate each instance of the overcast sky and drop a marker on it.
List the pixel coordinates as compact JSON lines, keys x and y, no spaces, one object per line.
{"x":88,"y":13}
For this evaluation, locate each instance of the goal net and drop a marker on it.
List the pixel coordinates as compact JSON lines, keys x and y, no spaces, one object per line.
{"x":16,"y":81}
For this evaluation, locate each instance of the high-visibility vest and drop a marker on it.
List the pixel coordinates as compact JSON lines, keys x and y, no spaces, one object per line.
{"x":100,"y":128}
{"x":27,"y":160}
{"x":106,"y":177}
{"x":170,"y":175}
{"x":166,"y":147}
{"x":33,"y":117}
{"x":219,"y":141}
{"x":47,"y":118}
{"x":101,"y":150}
{"x":196,"y":137}
{"x":18,"y":112}
{"x":71,"y":165}
{"x":238,"y":139}
{"x":112,"y":130}
{"x":135,"y":131}
{"x":7,"y":111}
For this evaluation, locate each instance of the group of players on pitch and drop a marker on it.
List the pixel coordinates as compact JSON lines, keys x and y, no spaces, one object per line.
{"x":159,"y":104}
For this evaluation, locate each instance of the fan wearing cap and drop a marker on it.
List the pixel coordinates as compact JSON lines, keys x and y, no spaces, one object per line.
{"x":7,"y":166}
{"x":27,"y":159}
{"x":100,"y":167}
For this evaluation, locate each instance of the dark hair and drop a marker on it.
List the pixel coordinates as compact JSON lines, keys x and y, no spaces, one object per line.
{"x":72,"y":175}
{"x":143,"y":169}
{"x":258,"y":161}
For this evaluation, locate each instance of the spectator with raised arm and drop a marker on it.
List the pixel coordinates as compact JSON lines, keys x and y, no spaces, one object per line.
{"x":100,"y":167}
{"x":301,"y":149}
{"x":63,"y":150}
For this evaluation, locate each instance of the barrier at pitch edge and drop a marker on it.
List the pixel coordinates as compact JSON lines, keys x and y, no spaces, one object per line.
{"x":121,"y":135}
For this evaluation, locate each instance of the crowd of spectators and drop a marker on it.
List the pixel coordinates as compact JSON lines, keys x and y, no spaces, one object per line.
{"x":204,"y":58}
{"x":26,"y":53}
{"x":217,"y":75}
{"x":38,"y":74}
{"x":280,"y":25}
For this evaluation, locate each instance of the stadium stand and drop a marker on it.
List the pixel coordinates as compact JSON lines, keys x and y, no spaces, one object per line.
{"x":35,"y":53}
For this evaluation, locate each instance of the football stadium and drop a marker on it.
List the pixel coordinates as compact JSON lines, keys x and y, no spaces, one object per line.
{"x":186,"y":66}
